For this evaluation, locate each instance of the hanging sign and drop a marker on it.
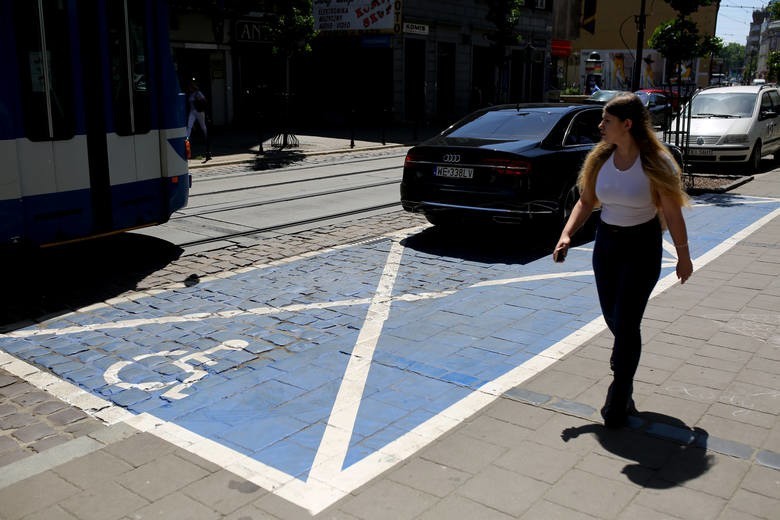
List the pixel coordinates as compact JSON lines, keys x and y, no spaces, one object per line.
{"x":352,"y":15}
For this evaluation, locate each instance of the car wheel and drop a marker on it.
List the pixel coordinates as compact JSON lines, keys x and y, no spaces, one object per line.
{"x":569,"y":201}
{"x":442,"y":220}
{"x":754,"y":163}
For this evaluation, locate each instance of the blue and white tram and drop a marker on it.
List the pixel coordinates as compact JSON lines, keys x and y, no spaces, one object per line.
{"x":92,"y":123}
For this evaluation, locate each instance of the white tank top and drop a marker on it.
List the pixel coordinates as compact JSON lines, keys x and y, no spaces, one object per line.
{"x":625,"y":195}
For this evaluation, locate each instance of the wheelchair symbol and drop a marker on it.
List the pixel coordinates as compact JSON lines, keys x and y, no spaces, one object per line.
{"x":112,"y":377}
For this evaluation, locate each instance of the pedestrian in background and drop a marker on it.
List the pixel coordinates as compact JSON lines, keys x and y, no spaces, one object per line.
{"x":632,"y":176}
{"x":197,"y":104}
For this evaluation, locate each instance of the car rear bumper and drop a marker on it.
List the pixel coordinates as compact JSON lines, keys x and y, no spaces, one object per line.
{"x":519,"y":211}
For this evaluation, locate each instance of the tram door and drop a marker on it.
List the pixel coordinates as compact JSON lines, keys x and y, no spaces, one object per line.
{"x":50,"y":151}
{"x":118,"y":76}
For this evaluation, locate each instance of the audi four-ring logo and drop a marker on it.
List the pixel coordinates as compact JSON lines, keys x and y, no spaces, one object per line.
{"x":451,"y":157}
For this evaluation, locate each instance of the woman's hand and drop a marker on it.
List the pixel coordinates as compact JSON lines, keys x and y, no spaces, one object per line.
{"x":559,"y":253}
{"x":677,"y":229}
{"x":579,"y":214}
{"x":684,"y":268}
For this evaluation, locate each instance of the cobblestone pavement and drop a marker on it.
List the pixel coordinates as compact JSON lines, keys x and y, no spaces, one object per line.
{"x":30,"y":419}
{"x":525,"y":445}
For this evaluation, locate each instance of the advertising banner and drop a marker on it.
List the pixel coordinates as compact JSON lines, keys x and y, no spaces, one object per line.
{"x":357,"y":15}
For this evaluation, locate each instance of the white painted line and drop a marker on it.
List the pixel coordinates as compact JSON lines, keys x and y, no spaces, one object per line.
{"x":533,"y":278}
{"x":334,"y":445}
{"x":200,"y":316}
{"x":63,"y":390}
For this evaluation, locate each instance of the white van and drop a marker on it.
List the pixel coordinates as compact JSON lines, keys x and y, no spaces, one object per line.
{"x":758,"y":81}
{"x":732,"y":126}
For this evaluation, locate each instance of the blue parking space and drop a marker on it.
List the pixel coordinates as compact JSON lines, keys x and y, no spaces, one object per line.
{"x":324,"y":361}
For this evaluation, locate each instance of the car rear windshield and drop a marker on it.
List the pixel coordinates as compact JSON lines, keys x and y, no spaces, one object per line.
{"x":644,"y":96}
{"x":508,"y":124}
{"x":738,"y":104}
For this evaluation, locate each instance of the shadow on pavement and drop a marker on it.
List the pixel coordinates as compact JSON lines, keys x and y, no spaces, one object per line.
{"x":665,"y":451}
{"x":278,"y":159}
{"x":494,"y":243}
{"x":42,"y":283}
{"x":725,"y":200}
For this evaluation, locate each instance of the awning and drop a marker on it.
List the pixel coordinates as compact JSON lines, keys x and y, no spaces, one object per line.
{"x":561,"y":48}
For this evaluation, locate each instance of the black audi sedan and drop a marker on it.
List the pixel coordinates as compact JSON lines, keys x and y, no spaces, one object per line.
{"x":505,"y":163}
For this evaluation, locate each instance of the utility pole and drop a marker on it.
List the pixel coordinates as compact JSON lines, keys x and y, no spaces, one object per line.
{"x":640,"y":44}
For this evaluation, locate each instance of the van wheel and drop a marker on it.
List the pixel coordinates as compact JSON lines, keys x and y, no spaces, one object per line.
{"x":754,"y":163}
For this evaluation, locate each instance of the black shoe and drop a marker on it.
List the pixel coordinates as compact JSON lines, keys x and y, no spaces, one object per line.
{"x":207,"y":159}
{"x":618,"y":418}
{"x":614,"y":420}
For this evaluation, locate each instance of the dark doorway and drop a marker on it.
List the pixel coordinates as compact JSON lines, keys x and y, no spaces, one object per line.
{"x":445,"y":83}
{"x":414,"y":76}
{"x":483,"y":71}
{"x":193,"y":64}
{"x":527,"y":79}
{"x":259,"y":79}
{"x":347,"y":79}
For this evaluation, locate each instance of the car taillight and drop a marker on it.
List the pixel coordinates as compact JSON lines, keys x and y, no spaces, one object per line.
{"x":411,"y":158}
{"x":508,"y":166}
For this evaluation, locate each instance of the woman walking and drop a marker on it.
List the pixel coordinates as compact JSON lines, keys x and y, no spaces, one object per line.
{"x":197,"y":112}
{"x":634,"y":179}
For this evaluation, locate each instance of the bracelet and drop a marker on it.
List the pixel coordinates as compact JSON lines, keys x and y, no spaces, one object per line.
{"x":680,"y":246}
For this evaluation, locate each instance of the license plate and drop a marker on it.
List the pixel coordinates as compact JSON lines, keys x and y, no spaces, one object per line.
{"x":699,"y":151}
{"x":456,"y":172}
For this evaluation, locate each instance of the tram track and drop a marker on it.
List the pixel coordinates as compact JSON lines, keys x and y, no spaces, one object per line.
{"x":186,"y":214}
{"x":288,"y":225}
{"x":284,"y":183}
{"x":240,"y":209}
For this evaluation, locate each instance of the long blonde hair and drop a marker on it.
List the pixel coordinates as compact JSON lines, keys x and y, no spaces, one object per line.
{"x":657,"y":162}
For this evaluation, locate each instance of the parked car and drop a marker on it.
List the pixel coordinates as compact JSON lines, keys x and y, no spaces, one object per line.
{"x":505,"y":163}
{"x":659,"y":104}
{"x":731,"y":126}
{"x":718,"y":79}
{"x":600,"y":97}
{"x":673,"y":92}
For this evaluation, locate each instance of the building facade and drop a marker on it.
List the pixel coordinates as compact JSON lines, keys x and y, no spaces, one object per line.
{"x":403,"y":60}
{"x":753,"y":44}
{"x":764,"y":38}
{"x":610,"y":30}
{"x":411,"y":61}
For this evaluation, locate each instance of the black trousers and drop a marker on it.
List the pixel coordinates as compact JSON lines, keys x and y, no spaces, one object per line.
{"x":627,"y":264}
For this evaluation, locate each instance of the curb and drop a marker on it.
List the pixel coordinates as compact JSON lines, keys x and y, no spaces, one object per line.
{"x":723,"y":189}
{"x":260,"y":157}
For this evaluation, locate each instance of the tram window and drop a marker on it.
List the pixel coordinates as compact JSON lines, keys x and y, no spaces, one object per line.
{"x":45,"y":70}
{"x":129,"y":71}
{"x":138,"y":53}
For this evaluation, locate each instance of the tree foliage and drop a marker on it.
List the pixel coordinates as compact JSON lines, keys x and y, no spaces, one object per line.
{"x":688,"y":7}
{"x":773,"y":65}
{"x":504,"y":15}
{"x":293,"y":28}
{"x":774,"y":11}
{"x":733,"y":55}
{"x":679,"y":40}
